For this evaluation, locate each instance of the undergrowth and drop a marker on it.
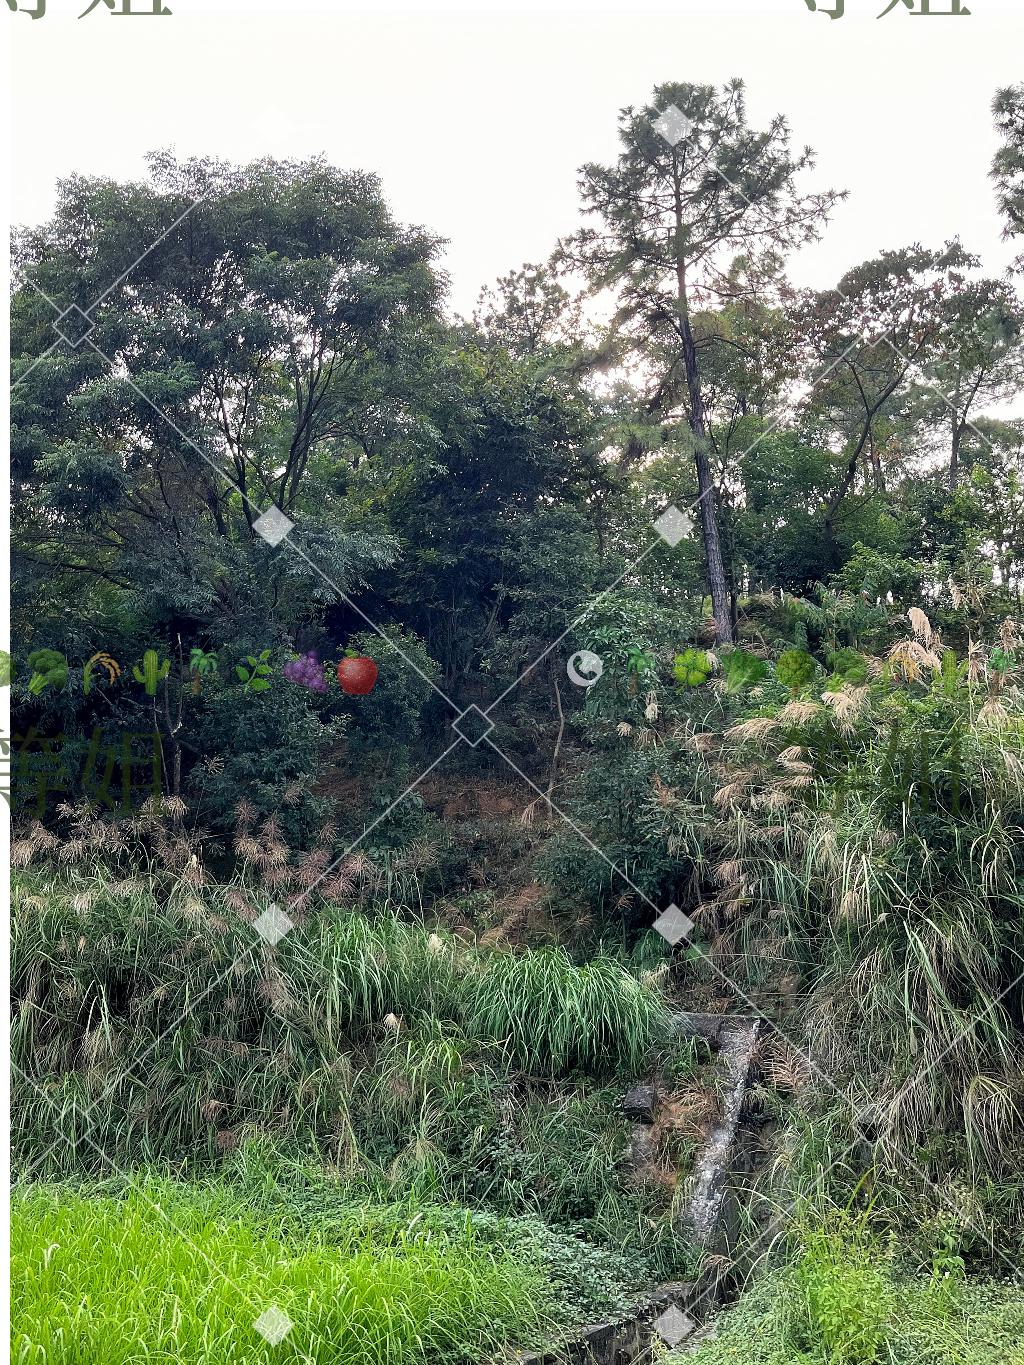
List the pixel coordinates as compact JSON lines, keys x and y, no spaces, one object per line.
{"x":153,"y":1026}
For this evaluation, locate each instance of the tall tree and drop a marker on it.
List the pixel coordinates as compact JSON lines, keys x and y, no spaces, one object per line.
{"x":252,"y":357}
{"x":868,"y":339}
{"x":978,"y":361}
{"x":698,"y":209}
{"x":1008,"y":164}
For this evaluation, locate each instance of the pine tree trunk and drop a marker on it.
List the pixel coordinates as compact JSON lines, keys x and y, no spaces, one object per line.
{"x":954,"y":454}
{"x":721,"y":608}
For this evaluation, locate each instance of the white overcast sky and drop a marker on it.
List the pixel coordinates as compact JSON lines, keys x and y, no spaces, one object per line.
{"x":477,"y":118}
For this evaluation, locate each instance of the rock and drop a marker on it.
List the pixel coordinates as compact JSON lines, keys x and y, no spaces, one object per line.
{"x":642,"y":1152}
{"x":639,"y":1103}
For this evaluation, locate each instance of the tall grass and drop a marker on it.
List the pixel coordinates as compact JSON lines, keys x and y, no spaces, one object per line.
{"x":865,"y":850}
{"x":156,"y":1275}
{"x":555,"y":1015}
{"x":161,"y":1028}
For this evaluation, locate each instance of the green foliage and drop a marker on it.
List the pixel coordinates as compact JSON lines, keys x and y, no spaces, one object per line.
{"x":385,"y":726}
{"x":202,"y":662}
{"x":795,"y":668}
{"x":847,"y":665}
{"x":265,"y":1030}
{"x":95,"y":1277}
{"x":255,"y":677}
{"x":842,"y":1300}
{"x":977,"y":1323}
{"x":742,"y":669}
{"x":554,"y":1015}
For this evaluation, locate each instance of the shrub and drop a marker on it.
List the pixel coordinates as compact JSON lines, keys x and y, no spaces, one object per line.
{"x":842,"y":1303}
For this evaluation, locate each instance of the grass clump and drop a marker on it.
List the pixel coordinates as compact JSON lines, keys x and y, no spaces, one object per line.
{"x":980,"y":1323}
{"x":841,"y":1308}
{"x":167,"y":1272}
{"x":555,"y":1016}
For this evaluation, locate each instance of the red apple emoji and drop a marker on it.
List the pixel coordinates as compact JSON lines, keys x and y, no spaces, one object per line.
{"x":357,"y":675}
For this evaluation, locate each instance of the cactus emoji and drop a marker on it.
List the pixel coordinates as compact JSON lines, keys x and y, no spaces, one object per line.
{"x":151,"y":672}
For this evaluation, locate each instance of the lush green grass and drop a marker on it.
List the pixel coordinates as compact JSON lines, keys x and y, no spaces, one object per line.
{"x":556,"y":1015}
{"x":173,"y":1273}
{"x":845,"y":1298}
{"x":974,"y":1323}
{"x":156,"y":1030}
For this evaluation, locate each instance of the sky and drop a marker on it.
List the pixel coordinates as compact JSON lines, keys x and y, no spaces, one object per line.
{"x":476,"y":119}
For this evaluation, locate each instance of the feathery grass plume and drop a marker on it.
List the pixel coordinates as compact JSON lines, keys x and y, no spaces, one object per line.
{"x":993,"y":712}
{"x":847,"y":705}
{"x":921,"y":626}
{"x":800,"y":712}
{"x":910,"y":658}
{"x":756,"y":729}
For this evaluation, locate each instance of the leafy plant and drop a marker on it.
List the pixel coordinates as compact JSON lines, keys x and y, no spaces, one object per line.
{"x":257,"y":676}
{"x":848,"y":666}
{"x":202,"y":665}
{"x":795,"y":668}
{"x":742,"y":669}
{"x":843,"y":1296}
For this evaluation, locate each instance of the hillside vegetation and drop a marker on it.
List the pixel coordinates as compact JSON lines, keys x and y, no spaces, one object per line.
{"x":418,"y":719}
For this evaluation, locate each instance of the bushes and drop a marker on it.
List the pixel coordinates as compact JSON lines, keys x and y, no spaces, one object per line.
{"x":103,"y":1280}
{"x":866,"y":844}
{"x":842,"y":1300}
